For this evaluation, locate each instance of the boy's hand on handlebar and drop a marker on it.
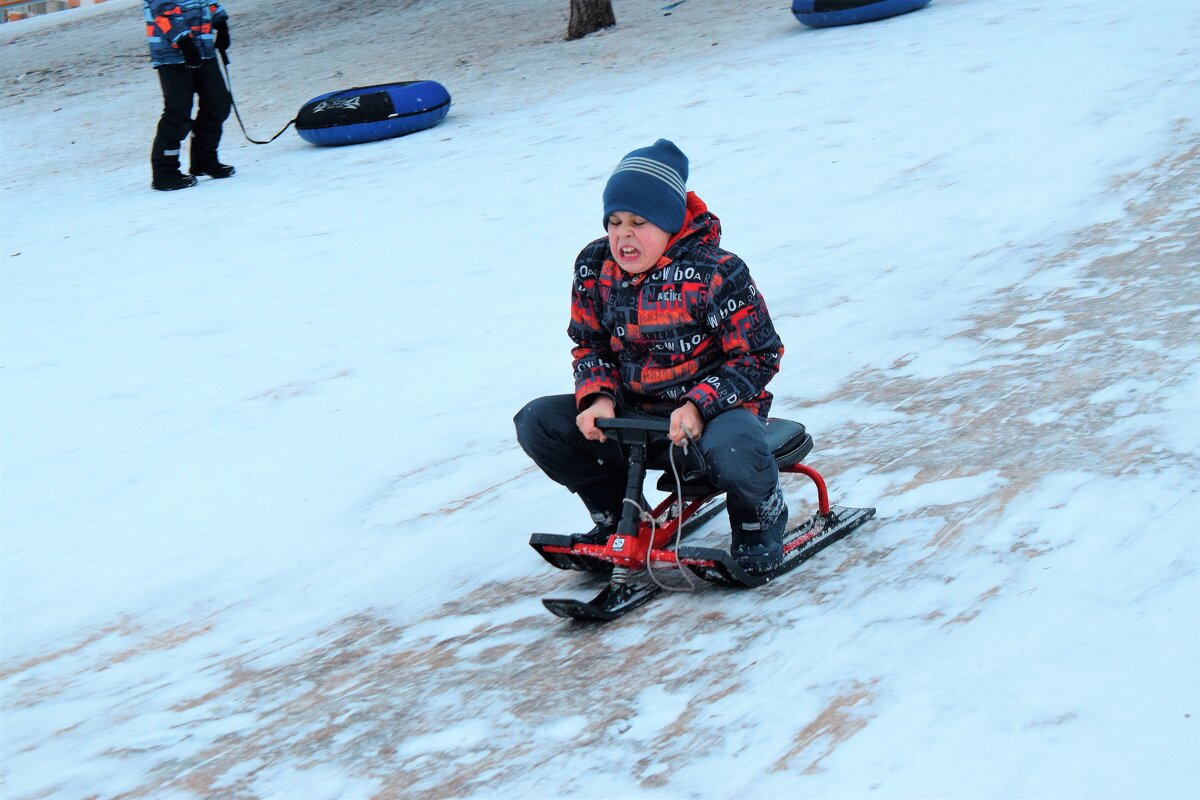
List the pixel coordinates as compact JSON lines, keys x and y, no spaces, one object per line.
{"x":601,"y":408}
{"x":685,"y":421}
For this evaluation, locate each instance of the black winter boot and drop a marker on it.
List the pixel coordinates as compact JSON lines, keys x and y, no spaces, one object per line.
{"x":213,"y":169}
{"x":170,"y":181}
{"x":604,"y":503}
{"x":757,"y":547}
{"x":606,"y":526}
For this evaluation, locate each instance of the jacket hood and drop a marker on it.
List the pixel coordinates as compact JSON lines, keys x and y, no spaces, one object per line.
{"x":700,"y":226}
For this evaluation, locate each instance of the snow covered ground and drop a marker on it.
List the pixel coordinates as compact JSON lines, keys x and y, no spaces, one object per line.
{"x":264,"y":521}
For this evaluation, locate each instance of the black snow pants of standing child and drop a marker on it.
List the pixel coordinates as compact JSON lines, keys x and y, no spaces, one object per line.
{"x":179,"y":85}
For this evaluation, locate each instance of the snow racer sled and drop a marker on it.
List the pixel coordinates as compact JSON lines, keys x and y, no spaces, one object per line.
{"x":642,"y":541}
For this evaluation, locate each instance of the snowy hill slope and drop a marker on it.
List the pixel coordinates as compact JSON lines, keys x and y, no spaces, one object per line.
{"x":265,"y":523}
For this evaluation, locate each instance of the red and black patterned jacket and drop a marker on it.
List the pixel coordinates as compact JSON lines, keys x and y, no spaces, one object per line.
{"x":693,"y":328}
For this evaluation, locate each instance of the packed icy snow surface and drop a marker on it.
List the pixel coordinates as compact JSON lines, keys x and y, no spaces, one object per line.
{"x":265,"y":522}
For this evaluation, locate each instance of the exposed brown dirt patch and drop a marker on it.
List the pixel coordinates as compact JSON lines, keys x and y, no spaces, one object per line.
{"x":836,"y":723}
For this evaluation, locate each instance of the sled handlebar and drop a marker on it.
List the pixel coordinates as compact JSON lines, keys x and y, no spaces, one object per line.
{"x":633,"y":430}
{"x":633,"y":424}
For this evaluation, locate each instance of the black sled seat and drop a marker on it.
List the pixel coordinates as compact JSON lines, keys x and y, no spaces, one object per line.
{"x":789,"y":443}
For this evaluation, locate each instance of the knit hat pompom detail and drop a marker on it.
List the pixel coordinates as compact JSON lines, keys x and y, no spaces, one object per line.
{"x":650,"y":182}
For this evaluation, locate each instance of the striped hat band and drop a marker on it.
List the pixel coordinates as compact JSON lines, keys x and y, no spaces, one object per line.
{"x":654,"y":169}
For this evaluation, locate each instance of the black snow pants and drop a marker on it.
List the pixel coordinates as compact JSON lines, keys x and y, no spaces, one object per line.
{"x":733,"y":444}
{"x":179,"y":85}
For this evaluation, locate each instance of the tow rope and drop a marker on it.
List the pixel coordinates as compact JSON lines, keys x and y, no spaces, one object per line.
{"x":238,"y":114}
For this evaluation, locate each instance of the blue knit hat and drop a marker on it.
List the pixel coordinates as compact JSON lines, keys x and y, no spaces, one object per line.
{"x":652,"y":183}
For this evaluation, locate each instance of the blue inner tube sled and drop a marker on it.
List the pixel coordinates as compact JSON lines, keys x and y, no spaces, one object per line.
{"x":368,"y":113}
{"x":829,"y":13}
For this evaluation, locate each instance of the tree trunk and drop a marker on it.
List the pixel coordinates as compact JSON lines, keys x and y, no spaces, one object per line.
{"x":589,"y":16}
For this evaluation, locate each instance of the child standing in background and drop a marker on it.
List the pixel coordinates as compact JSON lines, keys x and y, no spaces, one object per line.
{"x":184,"y":37}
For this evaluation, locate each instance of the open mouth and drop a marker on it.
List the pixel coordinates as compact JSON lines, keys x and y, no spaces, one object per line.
{"x":629,"y":252}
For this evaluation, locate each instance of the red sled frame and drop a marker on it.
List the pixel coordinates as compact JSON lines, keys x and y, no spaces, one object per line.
{"x":639,"y":543}
{"x":632,"y":552}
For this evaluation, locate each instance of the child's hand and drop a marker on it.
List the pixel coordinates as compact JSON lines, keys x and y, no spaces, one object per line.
{"x":601,"y":408}
{"x":685,"y":421}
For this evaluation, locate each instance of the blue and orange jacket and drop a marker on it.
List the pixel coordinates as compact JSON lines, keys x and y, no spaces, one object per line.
{"x":692,"y":328}
{"x":168,"y":21}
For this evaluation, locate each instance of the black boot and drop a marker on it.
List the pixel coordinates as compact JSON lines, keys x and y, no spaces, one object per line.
{"x":604,"y":503}
{"x":170,"y":181}
{"x":606,"y":526}
{"x":213,"y":169}
{"x":757,"y":547}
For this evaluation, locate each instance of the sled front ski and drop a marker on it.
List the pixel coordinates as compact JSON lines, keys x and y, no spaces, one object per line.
{"x":614,"y":601}
{"x":800,"y":544}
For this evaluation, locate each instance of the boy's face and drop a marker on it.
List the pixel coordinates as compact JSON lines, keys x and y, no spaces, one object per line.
{"x":636,"y":243}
